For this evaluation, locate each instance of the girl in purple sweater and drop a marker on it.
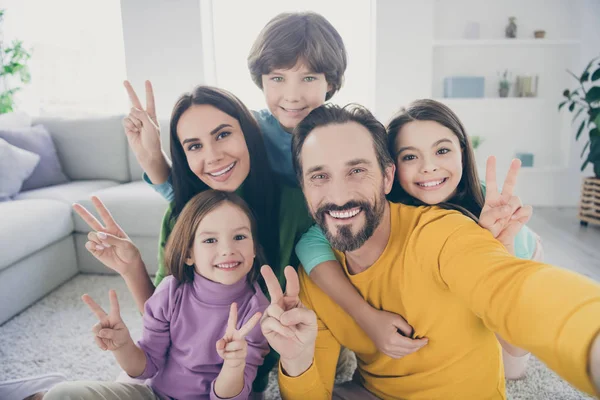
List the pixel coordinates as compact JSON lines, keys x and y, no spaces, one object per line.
{"x":200,"y":339}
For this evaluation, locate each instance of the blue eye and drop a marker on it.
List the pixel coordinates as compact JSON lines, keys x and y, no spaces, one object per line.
{"x":277,"y":79}
{"x":310,"y":79}
{"x":318,"y":177}
{"x":240,"y":237}
{"x":356,"y":171}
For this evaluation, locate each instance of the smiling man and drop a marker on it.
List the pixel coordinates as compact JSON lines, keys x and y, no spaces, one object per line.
{"x":452,"y":281}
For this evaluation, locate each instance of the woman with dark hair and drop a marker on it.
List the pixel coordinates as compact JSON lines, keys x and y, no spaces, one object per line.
{"x":217,"y":144}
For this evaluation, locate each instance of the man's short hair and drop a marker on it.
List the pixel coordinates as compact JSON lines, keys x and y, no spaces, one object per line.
{"x":330,"y":114}
{"x":306,"y":36}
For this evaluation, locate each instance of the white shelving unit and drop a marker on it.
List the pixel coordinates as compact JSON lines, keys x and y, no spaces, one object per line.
{"x":511,"y":125}
{"x":504,"y":42}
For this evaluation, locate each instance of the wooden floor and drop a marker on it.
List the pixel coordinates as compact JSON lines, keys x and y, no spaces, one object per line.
{"x":566,"y":243}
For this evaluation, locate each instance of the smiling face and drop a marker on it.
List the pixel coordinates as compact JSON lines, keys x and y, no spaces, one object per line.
{"x":223,"y":249}
{"x":345,"y":193}
{"x":215,"y":147}
{"x":291,"y":94}
{"x":429,"y":161}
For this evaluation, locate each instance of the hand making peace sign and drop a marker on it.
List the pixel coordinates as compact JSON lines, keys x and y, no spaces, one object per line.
{"x":110,"y":333}
{"x":141,"y":125}
{"x":233,"y":348}
{"x":503,"y":213}
{"x":109,"y":244}
{"x":290,"y":328}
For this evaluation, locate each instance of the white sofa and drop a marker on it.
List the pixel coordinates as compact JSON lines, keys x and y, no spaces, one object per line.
{"x":42,"y":239}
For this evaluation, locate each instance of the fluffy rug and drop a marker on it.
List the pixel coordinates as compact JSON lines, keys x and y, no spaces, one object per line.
{"x":54,"y":335}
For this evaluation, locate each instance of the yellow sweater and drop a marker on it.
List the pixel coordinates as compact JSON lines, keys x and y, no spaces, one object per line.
{"x":456,"y":285}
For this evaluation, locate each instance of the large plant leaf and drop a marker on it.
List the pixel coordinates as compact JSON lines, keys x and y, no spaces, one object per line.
{"x":594,"y":154}
{"x":584,"y":149}
{"x":593,"y":94}
{"x":580,"y":129}
{"x":577,"y":114}
{"x":596,"y":75}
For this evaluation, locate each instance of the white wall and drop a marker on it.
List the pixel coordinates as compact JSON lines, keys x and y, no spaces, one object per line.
{"x":163,"y":43}
{"x":410,"y":66}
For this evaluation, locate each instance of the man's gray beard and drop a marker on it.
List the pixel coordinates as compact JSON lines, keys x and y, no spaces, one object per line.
{"x":345,"y":241}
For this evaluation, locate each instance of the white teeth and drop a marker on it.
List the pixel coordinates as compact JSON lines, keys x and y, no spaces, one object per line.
{"x":228,"y":265}
{"x":344,"y":214}
{"x":223,"y":171}
{"x":431,"y":184}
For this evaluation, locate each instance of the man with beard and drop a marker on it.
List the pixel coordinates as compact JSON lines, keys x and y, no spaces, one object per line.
{"x":451,"y":280}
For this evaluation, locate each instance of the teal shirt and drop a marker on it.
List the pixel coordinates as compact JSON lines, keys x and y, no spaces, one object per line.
{"x":314,"y":248}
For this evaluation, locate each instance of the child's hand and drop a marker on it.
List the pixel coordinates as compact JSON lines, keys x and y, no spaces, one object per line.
{"x":141,"y":125}
{"x":110,"y":333}
{"x":391,"y":334}
{"x":233,"y":347}
{"x":110,"y":244}
{"x":503,"y":213}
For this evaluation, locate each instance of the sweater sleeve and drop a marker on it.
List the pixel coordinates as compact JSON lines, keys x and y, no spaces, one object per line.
{"x":164,"y":189}
{"x":317,"y":381}
{"x":156,"y":335}
{"x":549,"y":311}
{"x":313,"y":248}
{"x":165,"y":230}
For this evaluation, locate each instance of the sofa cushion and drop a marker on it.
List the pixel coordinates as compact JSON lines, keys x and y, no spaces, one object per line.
{"x":27,"y":226}
{"x":90,"y":148}
{"x":37,"y":140}
{"x":136,"y":207}
{"x":69,"y":192}
{"x":16,"y":165}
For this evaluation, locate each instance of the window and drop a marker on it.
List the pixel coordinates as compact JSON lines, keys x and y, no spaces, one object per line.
{"x":78,"y":58}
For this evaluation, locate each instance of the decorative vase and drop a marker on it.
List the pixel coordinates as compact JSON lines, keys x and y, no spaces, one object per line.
{"x":503,"y":91}
{"x":589,"y":204}
{"x":511,"y":28}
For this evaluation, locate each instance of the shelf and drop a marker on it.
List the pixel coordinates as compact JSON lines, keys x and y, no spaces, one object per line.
{"x":503,"y":100}
{"x":504,"y":42}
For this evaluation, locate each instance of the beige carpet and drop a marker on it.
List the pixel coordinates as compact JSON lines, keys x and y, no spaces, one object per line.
{"x":54,"y":336}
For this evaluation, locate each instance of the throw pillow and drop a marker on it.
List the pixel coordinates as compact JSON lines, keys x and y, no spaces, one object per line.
{"x":16,"y":165}
{"x":38,"y":140}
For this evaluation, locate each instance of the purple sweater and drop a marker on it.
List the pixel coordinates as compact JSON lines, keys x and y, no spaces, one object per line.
{"x":182,"y":324}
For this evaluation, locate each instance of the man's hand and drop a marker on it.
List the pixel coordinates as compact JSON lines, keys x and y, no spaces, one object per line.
{"x":290,"y":328}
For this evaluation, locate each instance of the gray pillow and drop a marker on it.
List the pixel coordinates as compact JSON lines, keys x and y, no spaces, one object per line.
{"x":37,"y":140}
{"x":16,"y":165}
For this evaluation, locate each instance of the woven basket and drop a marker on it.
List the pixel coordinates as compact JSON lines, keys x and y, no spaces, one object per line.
{"x":589,"y":205}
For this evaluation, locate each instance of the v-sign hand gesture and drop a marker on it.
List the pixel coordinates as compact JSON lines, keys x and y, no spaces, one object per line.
{"x":290,"y":328}
{"x":503,"y":213}
{"x":233,"y":348}
{"x":141,"y":125}
{"x":109,"y":244}
{"x":110,"y":332}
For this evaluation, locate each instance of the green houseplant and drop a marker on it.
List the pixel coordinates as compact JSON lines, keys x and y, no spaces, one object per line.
{"x":13,"y":67}
{"x":585,"y":101}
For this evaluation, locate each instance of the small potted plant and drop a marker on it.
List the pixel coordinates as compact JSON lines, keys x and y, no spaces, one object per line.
{"x":584,"y":102}
{"x":504,"y":84}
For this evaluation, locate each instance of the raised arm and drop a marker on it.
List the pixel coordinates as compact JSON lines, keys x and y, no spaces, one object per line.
{"x":143,"y":134}
{"x":551,"y":312}
{"x":110,"y":245}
